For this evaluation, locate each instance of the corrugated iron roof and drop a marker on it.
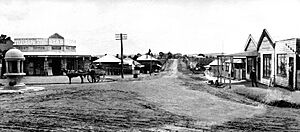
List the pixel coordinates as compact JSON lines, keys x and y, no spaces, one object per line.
{"x":107,"y":59}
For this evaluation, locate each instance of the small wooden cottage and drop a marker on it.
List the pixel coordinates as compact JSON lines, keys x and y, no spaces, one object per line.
{"x":110,"y":63}
{"x":213,"y":68}
{"x":150,"y":63}
{"x":232,"y":65}
{"x":251,"y":56}
{"x":238,"y":65}
{"x":266,"y":59}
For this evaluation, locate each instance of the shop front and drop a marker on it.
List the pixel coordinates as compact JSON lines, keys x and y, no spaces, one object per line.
{"x":53,"y":65}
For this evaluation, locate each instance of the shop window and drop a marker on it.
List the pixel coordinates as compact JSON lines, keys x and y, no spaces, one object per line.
{"x":281,"y":65}
{"x":22,"y":48}
{"x":250,"y":64}
{"x":267,"y":65}
{"x":39,"y":47}
{"x":56,"y":47}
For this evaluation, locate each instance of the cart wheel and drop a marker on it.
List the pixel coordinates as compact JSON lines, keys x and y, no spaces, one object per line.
{"x":97,"y":77}
{"x":103,"y":78}
{"x":89,"y":78}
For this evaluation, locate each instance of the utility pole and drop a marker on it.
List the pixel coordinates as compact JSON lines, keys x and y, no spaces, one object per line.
{"x":150,"y":67}
{"x":121,"y":37}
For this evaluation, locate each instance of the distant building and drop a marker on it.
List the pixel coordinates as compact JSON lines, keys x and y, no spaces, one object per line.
{"x":112,"y":65}
{"x":47,"y":56}
{"x":150,"y":63}
{"x":238,"y":65}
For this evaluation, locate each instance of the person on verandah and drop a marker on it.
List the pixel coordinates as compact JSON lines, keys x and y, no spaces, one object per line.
{"x":253,"y":77}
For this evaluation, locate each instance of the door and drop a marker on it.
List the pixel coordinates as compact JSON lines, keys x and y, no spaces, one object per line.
{"x":56,"y":66}
{"x":258,"y":68}
{"x":291,"y":72}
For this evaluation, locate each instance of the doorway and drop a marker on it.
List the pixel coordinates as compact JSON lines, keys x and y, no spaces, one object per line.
{"x":258,"y":68}
{"x":291,"y":72}
{"x":56,"y":66}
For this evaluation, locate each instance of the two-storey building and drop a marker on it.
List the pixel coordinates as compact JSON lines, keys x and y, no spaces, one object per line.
{"x":48,"y":56}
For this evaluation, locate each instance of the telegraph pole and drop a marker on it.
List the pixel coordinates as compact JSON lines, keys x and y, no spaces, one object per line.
{"x":121,"y":37}
{"x":150,"y":54}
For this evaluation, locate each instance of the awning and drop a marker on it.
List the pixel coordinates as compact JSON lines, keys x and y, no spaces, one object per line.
{"x":214,"y":63}
{"x":251,"y":53}
{"x":234,"y":61}
{"x":41,"y":54}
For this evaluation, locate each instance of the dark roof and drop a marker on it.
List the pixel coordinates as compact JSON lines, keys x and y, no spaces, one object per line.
{"x":56,"y":35}
{"x":250,"y":38}
{"x":265,"y":34}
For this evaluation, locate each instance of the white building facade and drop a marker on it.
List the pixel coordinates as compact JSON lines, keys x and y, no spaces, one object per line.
{"x":48,"y":56}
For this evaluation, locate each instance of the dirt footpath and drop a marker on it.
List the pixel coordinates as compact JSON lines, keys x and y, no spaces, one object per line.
{"x":274,"y":119}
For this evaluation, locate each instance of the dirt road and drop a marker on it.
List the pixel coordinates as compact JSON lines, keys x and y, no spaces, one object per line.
{"x":157,"y":103}
{"x":172,"y":96}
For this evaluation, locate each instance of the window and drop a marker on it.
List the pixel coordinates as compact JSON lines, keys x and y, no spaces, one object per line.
{"x":39,"y":47}
{"x":267,"y":65}
{"x":56,"y":48}
{"x":227,"y":67}
{"x":22,"y":48}
{"x":281,"y":65}
{"x":250,"y":64}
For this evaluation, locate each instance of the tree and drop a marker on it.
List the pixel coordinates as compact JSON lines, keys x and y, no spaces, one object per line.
{"x":170,"y":55}
{"x":201,"y":55}
{"x":3,"y":68}
{"x":4,"y":39}
{"x":149,"y":52}
{"x":161,"y":55}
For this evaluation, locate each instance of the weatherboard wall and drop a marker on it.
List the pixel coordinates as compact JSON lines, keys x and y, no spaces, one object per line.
{"x":286,"y":47}
{"x":250,"y":47}
{"x":266,"y":48}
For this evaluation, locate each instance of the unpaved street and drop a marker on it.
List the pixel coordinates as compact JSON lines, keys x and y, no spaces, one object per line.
{"x":157,"y":103}
{"x":172,"y":96}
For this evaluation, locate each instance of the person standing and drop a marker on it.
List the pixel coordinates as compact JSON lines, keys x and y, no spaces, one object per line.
{"x":253,"y":77}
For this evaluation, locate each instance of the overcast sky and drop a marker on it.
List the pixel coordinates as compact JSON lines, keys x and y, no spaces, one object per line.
{"x":184,"y":26}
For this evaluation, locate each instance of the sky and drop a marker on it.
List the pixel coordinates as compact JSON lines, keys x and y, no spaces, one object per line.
{"x":176,"y":26}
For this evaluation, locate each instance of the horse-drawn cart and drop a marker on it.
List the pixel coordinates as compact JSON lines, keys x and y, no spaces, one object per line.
{"x":95,"y":75}
{"x":92,"y":75}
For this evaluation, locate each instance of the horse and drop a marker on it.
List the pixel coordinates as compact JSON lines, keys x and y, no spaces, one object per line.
{"x":96,"y":74}
{"x":74,"y":73}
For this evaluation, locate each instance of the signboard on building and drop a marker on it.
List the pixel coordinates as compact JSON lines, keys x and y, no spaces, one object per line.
{"x":31,"y":41}
{"x":56,"y":41}
{"x":43,"y":41}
